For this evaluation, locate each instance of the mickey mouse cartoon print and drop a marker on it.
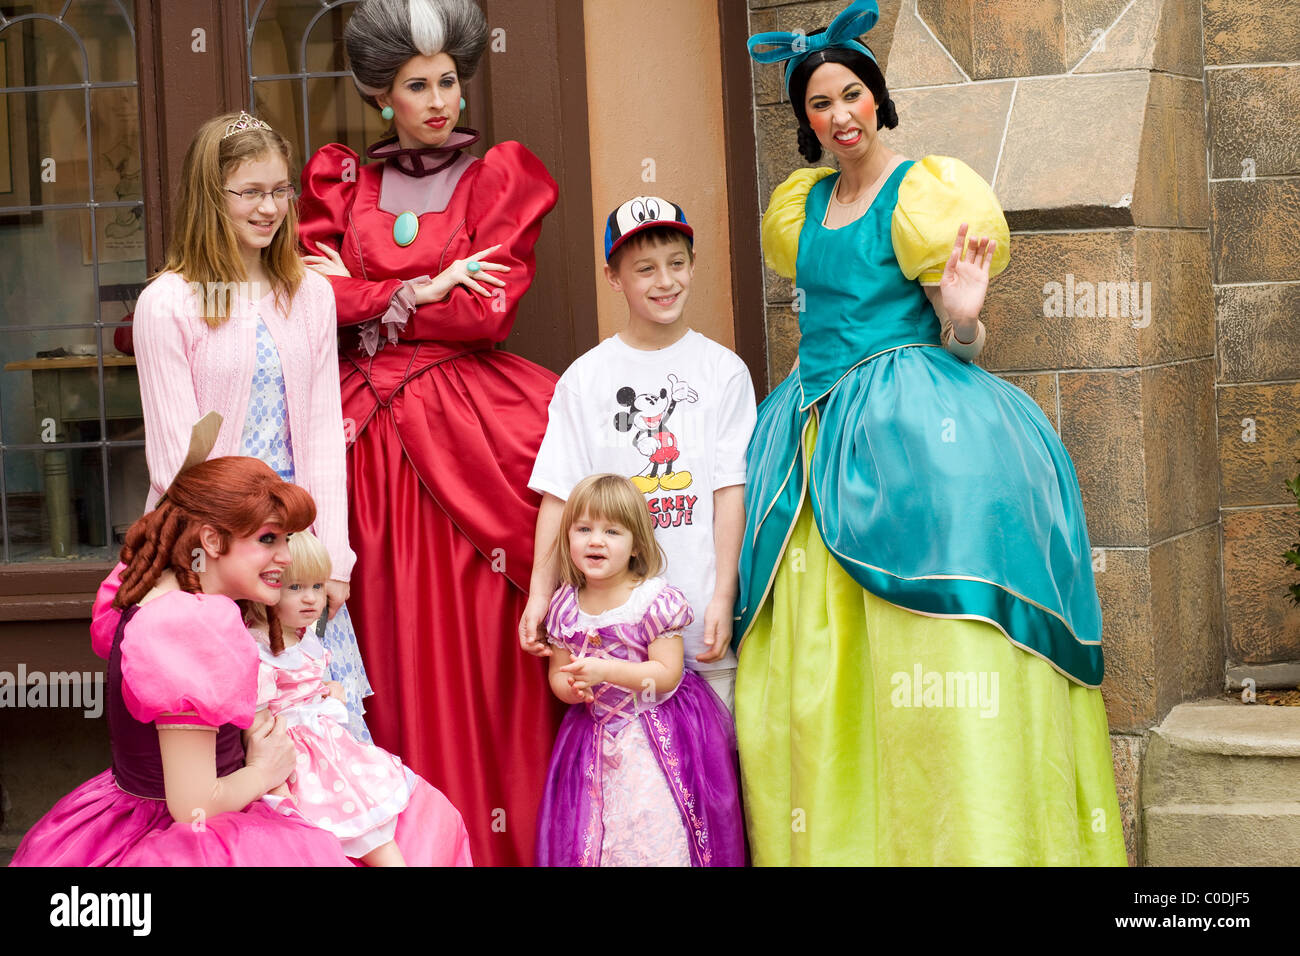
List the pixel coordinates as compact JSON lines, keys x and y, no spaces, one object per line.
{"x":646,"y":415}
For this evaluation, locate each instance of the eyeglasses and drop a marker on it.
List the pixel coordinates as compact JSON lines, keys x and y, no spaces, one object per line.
{"x":281,"y":194}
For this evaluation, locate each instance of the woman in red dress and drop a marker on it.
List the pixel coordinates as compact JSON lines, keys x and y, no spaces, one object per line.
{"x":429,"y":251}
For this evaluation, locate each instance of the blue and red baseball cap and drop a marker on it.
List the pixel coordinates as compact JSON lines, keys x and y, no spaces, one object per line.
{"x":642,"y":213}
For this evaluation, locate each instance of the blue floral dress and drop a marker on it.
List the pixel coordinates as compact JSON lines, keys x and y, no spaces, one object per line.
{"x":266,"y":436}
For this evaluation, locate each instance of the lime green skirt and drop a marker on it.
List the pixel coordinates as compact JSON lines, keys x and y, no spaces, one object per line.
{"x":870,"y":735}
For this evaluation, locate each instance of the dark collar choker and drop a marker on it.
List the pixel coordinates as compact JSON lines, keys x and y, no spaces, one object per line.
{"x":424,"y":160}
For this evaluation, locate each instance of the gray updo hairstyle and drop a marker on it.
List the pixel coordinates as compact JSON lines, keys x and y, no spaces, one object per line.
{"x":383,"y":34}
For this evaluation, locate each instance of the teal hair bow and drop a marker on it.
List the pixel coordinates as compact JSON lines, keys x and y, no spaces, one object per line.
{"x":855,"y":20}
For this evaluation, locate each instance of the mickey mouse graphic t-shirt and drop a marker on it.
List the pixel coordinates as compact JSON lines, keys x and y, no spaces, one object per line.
{"x":676,"y":422}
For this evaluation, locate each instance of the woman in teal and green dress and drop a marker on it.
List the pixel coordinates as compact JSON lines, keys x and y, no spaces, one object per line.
{"x":918,"y":625}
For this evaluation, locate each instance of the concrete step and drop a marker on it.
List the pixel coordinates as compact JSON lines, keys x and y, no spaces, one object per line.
{"x":1244,"y":834}
{"x":1221,"y":786}
{"x":1216,"y":751}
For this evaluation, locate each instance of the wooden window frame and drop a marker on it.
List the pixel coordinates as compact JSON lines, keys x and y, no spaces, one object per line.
{"x":171,"y":84}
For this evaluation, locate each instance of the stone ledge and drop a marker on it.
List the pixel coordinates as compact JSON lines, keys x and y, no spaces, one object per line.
{"x":1266,"y":676}
{"x":1183,"y":778}
{"x":1268,"y":809}
{"x":1103,"y":150}
{"x":1177,"y":776}
{"x":1224,"y":727}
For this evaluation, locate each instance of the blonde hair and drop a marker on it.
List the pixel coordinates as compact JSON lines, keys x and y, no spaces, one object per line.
{"x":612,"y":498}
{"x":309,"y":561}
{"x":204,"y":249}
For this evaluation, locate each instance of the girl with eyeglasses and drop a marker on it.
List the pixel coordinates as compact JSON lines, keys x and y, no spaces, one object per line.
{"x":234,"y":323}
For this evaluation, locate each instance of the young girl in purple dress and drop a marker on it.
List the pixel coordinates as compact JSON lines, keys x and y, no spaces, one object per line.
{"x":643,"y":772}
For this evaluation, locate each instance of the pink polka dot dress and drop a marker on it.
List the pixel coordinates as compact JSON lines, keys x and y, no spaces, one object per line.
{"x":355,"y":790}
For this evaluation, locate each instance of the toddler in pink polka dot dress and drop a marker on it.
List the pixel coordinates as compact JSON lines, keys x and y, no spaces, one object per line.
{"x":363,"y":795}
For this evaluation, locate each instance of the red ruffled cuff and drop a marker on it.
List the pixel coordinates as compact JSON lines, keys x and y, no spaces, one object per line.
{"x":393,"y":322}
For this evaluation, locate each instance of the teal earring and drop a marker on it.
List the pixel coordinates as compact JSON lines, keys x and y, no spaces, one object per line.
{"x":462,"y":104}
{"x":386,"y":112}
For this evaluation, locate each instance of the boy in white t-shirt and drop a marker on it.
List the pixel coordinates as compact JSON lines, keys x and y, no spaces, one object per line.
{"x":670,"y":409}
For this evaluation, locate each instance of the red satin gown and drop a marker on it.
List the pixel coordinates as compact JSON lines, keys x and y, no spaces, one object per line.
{"x":441,"y":518}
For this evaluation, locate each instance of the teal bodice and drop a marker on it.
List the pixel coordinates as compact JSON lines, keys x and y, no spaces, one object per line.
{"x":937,"y":486}
{"x":832,"y":264}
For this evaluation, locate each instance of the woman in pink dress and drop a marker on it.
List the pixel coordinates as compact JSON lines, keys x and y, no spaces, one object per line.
{"x":182,"y":682}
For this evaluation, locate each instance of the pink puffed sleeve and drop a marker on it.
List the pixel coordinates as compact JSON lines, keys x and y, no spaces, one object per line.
{"x":669,"y":613}
{"x":189,"y":654}
{"x":103,"y":616}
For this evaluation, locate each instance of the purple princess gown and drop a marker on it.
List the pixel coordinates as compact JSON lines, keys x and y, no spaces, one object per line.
{"x":179,"y":659}
{"x":635,"y":781}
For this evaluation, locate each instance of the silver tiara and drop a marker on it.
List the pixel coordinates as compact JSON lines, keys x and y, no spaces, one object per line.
{"x":245,"y":122}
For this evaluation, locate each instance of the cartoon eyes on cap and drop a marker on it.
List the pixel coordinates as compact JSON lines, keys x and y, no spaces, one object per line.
{"x":643,"y":211}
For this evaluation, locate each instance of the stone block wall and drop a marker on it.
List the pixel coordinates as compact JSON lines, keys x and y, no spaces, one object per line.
{"x":1252,"y":82}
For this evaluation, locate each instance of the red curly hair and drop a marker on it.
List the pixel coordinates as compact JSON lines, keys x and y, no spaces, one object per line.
{"x":235,"y":495}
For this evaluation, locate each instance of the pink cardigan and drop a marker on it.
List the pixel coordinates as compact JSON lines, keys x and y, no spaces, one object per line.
{"x":188,"y":369}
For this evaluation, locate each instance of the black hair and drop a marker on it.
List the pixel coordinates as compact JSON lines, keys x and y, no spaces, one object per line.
{"x":654,"y":236}
{"x":864,"y":67}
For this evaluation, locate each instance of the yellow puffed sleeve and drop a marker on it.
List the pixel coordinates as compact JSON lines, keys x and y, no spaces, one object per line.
{"x":784,"y":218}
{"x":936,"y":196}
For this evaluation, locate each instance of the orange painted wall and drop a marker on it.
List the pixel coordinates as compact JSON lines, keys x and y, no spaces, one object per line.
{"x":654,"y":94}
